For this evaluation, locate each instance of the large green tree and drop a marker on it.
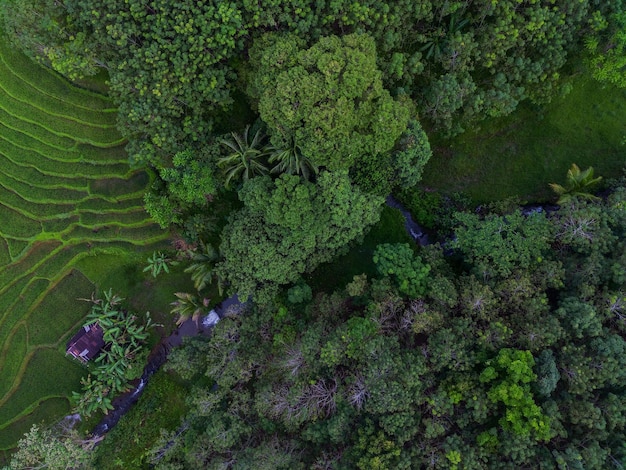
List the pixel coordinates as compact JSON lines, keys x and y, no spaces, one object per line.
{"x":290,"y":226}
{"x":328,"y":98}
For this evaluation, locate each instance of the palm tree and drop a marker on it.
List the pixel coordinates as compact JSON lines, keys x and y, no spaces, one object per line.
{"x":578,"y":184}
{"x":292,"y":161}
{"x":188,"y":306}
{"x":244,"y":159}
{"x":201,"y":269}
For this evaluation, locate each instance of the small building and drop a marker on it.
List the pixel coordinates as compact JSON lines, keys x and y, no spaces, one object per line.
{"x":87,"y":343}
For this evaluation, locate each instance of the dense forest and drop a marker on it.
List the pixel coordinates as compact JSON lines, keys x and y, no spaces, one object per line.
{"x":273,"y":132}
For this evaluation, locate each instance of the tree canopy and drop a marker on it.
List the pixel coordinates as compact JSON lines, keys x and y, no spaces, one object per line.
{"x":523,"y":367}
{"x":289,"y":226}
{"x":329,"y":99}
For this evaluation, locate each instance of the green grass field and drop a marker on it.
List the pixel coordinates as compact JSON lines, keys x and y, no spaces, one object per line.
{"x":71,"y":214}
{"x":520,"y":154}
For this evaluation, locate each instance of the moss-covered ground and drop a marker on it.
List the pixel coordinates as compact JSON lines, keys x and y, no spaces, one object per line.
{"x":519,"y":155}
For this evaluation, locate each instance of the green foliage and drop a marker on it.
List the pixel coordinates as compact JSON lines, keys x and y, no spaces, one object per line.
{"x":373,"y":174}
{"x":527,"y":364}
{"x":190,"y":180}
{"x":511,"y":372}
{"x":67,"y":196}
{"x":162,"y":209}
{"x":158,"y":263}
{"x":188,"y":360}
{"x":577,"y":185}
{"x":400,"y":263}
{"x":292,"y":161}
{"x":44,"y":448}
{"x":547,"y":373}
{"x":411,"y":155}
{"x":288,"y":227}
{"x":377,"y":452}
{"x":329,"y":98}
{"x":122,"y":358}
{"x":45,"y":32}
{"x":201,"y":267}
{"x":607,"y":48}
{"x":162,"y":406}
{"x":184,"y":195}
{"x":188,"y":306}
{"x":299,"y":293}
{"x":243,"y":161}
{"x":349,"y":342}
{"x":167,"y":69}
{"x":500,"y":245}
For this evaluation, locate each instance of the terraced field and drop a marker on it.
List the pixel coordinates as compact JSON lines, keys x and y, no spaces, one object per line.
{"x":66,"y":193}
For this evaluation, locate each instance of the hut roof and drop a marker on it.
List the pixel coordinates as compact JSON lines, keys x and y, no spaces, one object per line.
{"x":86,"y":344}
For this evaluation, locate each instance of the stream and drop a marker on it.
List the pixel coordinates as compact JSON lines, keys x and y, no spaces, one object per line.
{"x":157,"y":358}
{"x":414,"y":229}
{"x":159,"y":354}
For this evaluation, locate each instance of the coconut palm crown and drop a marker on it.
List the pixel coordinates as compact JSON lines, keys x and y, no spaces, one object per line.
{"x":244,"y":159}
{"x":578,"y":184}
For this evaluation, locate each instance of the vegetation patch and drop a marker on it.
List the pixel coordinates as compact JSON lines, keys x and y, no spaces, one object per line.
{"x":520,"y":154}
{"x":66,"y":192}
{"x":48,"y":374}
{"x":42,"y":414}
{"x":358,"y":260}
{"x":60,"y":311}
{"x":162,"y":406}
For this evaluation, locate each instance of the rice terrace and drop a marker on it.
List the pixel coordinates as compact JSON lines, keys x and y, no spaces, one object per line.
{"x":66,"y":194}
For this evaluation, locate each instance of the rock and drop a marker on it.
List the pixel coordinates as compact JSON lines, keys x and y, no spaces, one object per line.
{"x":211,"y":319}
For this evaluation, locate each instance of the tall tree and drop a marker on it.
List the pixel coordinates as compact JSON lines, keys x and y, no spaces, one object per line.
{"x":288,"y":227}
{"x":328,"y":98}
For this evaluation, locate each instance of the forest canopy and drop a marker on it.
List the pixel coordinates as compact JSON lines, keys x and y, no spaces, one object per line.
{"x":273,"y":131}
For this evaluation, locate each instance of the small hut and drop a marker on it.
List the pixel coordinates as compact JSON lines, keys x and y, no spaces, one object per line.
{"x":87,"y":343}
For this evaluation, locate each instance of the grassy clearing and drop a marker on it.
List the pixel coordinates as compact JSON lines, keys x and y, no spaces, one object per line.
{"x":34,"y":133}
{"x":42,"y":160}
{"x":390,"y":229}
{"x":49,"y":83}
{"x":60,"y":311}
{"x":122,"y":272}
{"x":116,"y":187}
{"x":57,"y":406}
{"x":14,"y":352}
{"x":34,"y":193}
{"x":136,"y":235}
{"x":95,"y":219}
{"x":5,"y":254}
{"x":101,"y":205}
{"x":48,"y":374}
{"x":17,"y":89}
{"x":17,"y":225}
{"x":16,"y":247}
{"x":34,"y":177}
{"x":32,"y":209}
{"x":520,"y":154}
{"x":27,"y":264}
{"x":29,"y":291}
{"x":8,"y":298}
{"x":54,"y":227}
{"x":75,"y":130}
